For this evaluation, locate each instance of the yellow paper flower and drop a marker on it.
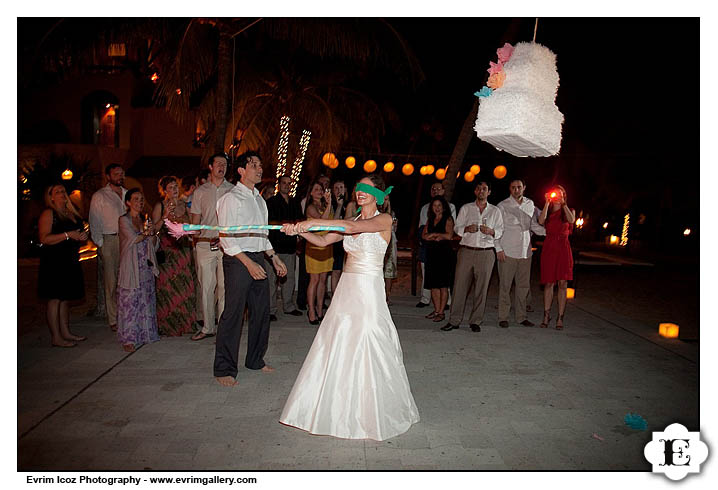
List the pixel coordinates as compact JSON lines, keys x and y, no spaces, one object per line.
{"x":496,"y":80}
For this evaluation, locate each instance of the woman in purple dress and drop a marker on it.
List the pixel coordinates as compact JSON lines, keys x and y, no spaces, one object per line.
{"x":136,"y":308}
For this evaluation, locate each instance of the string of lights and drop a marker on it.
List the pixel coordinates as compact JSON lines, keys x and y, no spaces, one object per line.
{"x":282,"y":150}
{"x":624,"y":233}
{"x":297,"y":167}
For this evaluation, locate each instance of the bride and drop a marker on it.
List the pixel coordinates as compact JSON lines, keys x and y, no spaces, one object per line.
{"x":353,"y":383}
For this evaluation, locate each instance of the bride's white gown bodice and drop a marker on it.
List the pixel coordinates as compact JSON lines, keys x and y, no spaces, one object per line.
{"x":353,"y":383}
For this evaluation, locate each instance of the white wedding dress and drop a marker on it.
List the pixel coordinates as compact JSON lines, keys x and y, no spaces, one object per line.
{"x":353,"y":383}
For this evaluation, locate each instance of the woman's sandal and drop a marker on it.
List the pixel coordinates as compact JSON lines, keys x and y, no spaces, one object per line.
{"x":431,"y":315}
{"x":559,"y":319}
{"x":546,"y":319}
{"x":439,"y":317}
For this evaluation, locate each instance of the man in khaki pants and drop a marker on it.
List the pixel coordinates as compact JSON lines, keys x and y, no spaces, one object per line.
{"x":209,"y":255}
{"x":106,"y":207}
{"x":479,"y":224}
{"x":513,"y":252}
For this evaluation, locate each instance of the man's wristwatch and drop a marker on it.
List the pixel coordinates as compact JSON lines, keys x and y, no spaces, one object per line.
{"x":272,"y":256}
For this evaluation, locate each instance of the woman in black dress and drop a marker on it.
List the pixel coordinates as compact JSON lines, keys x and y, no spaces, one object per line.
{"x":440,"y":261}
{"x":60,"y":278}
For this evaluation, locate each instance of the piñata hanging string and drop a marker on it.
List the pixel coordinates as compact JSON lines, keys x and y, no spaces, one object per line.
{"x":535,"y":29}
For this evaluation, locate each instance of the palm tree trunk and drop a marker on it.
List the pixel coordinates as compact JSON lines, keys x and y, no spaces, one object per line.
{"x":224,"y":80}
{"x":462,"y":145}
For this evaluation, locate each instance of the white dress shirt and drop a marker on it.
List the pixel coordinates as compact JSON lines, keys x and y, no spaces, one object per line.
{"x":243,"y":206}
{"x":470,"y":214}
{"x":424,"y":213}
{"x":519,"y":221}
{"x":204,"y":203}
{"x":106,"y":207}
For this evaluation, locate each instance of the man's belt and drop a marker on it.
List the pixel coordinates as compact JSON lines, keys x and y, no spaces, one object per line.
{"x":477,"y":248}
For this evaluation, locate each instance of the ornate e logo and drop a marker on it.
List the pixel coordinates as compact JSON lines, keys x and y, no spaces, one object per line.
{"x":676,"y":452}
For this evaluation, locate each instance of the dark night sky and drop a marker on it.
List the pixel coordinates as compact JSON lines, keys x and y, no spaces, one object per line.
{"x":629,"y":106}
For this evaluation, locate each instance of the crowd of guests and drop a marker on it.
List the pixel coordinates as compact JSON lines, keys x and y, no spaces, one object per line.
{"x":157,"y":285}
{"x":490,"y":234}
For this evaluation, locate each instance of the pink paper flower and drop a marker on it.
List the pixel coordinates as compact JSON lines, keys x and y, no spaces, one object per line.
{"x":496,"y":80}
{"x":495,"y":67}
{"x":505,"y":53}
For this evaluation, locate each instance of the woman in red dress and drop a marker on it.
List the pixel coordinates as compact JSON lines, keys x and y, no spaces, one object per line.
{"x":556,"y":256}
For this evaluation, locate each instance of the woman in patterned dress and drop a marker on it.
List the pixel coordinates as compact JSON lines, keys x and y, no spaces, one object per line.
{"x":136,"y":308}
{"x":176,"y":311}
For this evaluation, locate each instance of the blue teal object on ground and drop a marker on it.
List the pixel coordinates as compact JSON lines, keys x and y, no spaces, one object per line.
{"x":635,"y":421}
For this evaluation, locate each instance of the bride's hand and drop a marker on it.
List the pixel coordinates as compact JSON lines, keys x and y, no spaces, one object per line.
{"x":289,"y":229}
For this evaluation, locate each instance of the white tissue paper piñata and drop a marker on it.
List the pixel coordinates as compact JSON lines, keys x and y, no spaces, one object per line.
{"x":520,"y":116}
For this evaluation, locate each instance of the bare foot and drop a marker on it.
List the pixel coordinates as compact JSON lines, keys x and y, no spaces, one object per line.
{"x":76,"y":338}
{"x":226,"y":380}
{"x":62,"y":343}
{"x":268,"y":369}
{"x":128,"y":347}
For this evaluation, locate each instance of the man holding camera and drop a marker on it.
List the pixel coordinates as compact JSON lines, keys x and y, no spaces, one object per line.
{"x":209,"y":256}
{"x":513,"y":252}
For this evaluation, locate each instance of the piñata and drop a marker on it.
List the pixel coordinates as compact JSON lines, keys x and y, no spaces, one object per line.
{"x":519,"y":115}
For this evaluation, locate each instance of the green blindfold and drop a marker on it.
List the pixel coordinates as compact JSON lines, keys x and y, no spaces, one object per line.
{"x":377,"y":193}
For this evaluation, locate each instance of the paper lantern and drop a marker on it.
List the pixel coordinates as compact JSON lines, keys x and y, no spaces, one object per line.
{"x":429,"y":169}
{"x":668,"y":330}
{"x":500,"y":172}
{"x":422,"y":170}
{"x":469,"y":177}
{"x":407,"y":169}
{"x":350,"y":162}
{"x":570,"y":293}
{"x":369,"y":166}
{"x":475,"y":169}
{"x":67,"y":174}
{"x":613,"y":240}
{"x":327,"y":158}
{"x":389,"y":167}
{"x":521,"y":116}
{"x":334,"y":163}
{"x":441,"y":174}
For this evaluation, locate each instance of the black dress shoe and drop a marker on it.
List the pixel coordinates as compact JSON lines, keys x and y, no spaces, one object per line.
{"x":295,"y":313}
{"x":504,"y":324}
{"x":314,"y":322}
{"x":527,"y":323}
{"x":421,"y":305}
{"x":272,"y":318}
{"x":448,"y":327}
{"x":475,"y":328}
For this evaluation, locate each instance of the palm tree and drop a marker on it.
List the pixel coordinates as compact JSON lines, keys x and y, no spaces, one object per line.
{"x":244,"y":74}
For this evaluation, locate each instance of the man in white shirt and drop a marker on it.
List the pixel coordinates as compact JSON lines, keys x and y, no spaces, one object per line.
{"x":513,"y":252}
{"x":246,"y":281}
{"x":208,"y":254}
{"x":480,"y":225}
{"x":106,"y":207}
{"x":437,"y":189}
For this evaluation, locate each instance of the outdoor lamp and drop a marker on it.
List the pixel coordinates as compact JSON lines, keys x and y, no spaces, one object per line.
{"x":468,"y":177}
{"x":500,"y":172}
{"x":475,"y":169}
{"x":407,"y":169}
{"x":369,"y":166}
{"x":429,"y":169}
{"x":570,"y":293}
{"x":388,"y":166}
{"x":441,"y":174}
{"x":67,"y":174}
{"x":668,"y":330}
{"x":350,"y":162}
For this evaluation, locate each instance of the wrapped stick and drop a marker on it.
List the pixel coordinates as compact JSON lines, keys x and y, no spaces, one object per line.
{"x":178,"y":230}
